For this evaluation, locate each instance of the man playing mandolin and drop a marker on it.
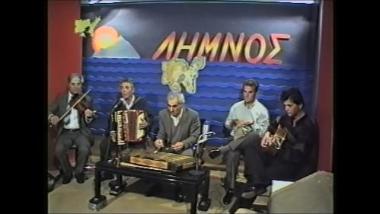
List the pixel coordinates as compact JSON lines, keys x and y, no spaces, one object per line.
{"x":248,"y":119}
{"x":71,"y":114}
{"x":292,"y":136}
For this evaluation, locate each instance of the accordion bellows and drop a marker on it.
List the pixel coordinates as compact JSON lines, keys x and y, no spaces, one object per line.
{"x":127,"y":126}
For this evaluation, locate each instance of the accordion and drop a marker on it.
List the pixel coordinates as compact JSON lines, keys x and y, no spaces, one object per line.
{"x":159,"y":161}
{"x":127,"y":126}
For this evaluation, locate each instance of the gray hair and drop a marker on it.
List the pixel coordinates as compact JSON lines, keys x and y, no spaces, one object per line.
{"x":176,"y":95}
{"x":75,"y":75}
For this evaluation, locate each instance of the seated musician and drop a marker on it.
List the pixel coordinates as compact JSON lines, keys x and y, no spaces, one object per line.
{"x":128,"y":101}
{"x":179,"y":129}
{"x":72,"y":128}
{"x":294,"y":152}
{"x":179,"y":126}
{"x":248,"y":119}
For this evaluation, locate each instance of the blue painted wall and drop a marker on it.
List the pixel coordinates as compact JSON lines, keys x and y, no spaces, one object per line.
{"x":218,"y":86}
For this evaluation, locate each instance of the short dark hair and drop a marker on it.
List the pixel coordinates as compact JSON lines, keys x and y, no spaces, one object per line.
{"x":128,"y":80}
{"x":293,"y":94}
{"x":251,"y":82}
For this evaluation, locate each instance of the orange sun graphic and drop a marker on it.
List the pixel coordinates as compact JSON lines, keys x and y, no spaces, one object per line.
{"x":104,"y":37}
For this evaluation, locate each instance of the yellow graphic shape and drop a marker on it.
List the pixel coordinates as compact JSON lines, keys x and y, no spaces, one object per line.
{"x":179,"y":75}
{"x":85,"y":26}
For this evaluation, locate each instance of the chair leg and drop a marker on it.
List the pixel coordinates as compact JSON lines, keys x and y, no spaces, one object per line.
{"x":179,"y":196}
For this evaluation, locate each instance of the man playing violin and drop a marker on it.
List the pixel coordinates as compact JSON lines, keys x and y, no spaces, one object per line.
{"x":71,"y":114}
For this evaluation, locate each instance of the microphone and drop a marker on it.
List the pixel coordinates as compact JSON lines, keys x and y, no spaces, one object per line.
{"x":204,"y":137}
{"x":117,"y":104}
{"x":209,"y":134}
{"x":201,"y":139}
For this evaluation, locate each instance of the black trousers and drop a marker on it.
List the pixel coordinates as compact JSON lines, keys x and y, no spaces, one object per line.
{"x":65,"y":141}
{"x":264,"y":167}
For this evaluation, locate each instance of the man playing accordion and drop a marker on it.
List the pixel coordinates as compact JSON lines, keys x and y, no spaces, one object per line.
{"x":128,"y":101}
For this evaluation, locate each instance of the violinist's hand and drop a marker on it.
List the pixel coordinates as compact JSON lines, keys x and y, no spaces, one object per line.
{"x":54,"y":120}
{"x":88,"y":113}
{"x":159,"y":143}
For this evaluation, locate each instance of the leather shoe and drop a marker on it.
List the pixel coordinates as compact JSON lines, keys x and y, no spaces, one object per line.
{"x":228,"y":197}
{"x":66,"y":178}
{"x":214,"y":153}
{"x":80,"y":177}
{"x":253,"y":192}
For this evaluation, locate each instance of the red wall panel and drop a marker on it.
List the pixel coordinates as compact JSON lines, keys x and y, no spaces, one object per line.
{"x":325,"y":92}
{"x":64,"y":53}
{"x":64,"y":46}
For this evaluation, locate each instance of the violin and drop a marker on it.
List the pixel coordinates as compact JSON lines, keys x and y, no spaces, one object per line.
{"x":81,"y":105}
{"x":77,"y":102}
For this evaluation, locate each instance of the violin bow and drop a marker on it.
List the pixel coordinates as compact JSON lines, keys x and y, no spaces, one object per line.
{"x":71,"y":108}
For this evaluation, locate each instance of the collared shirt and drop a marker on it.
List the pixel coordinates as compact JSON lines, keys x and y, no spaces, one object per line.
{"x":301,"y":136}
{"x":255,"y":112}
{"x":71,"y":121}
{"x":129,"y":106}
{"x":176,"y":119}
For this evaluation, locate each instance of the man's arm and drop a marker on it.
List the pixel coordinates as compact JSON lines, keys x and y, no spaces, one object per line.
{"x":89,"y":112}
{"x":273,"y":125}
{"x":300,"y":144}
{"x":230,"y":121}
{"x":53,"y":110}
{"x":262,"y":122}
{"x":161,"y":127}
{"x":195,"y":131}
{"x":148,"y":115}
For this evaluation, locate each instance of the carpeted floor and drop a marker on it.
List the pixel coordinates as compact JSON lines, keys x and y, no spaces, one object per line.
{"x":74,"y":198}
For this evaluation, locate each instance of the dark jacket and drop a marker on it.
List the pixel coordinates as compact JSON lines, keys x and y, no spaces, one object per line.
{"x":300,"y":139}
{"x":187,"y":130}
{"x":138,"y":104}
{"x":59,"y":107}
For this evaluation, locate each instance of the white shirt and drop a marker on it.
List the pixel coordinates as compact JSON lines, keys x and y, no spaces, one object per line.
{"x":176,"y":119}
{"x":129,"y":106}
{"x":258,"y":113}
{"x":72,"y":117}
